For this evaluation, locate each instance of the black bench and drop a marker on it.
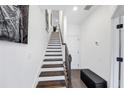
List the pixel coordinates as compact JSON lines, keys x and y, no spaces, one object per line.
{"x":92,"y":80}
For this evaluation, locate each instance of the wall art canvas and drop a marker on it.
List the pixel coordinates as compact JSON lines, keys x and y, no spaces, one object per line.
{"x":14,"y":23}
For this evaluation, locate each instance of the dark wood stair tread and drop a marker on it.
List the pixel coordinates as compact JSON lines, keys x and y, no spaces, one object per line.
{"x":52,"y":65}
{"x":53,"y":51}
{"x":54,"y":45}
{"x":51,"y":73}
{"x":56,"y":59}
{"x":51,"y":84}
{"x":53,"y":55}
{"x":56,"y":42}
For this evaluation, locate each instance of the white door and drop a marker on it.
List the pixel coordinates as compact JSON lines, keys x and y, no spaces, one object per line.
{"x":73,"y":45}
{"x":117,"y":75}
{"x":122,"y":63}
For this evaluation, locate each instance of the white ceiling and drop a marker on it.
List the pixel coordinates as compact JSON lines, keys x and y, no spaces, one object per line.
{"x":74,"y":17}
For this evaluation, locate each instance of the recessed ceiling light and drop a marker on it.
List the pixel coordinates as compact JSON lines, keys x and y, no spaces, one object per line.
{"x":75,"y":8}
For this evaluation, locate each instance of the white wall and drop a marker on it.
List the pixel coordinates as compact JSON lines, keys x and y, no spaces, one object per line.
{"x":61,"y":21}
{"x":19,"y":63}
{"x":65,"y":29}
{"x":50,"y":19}
{"x":97,"y":28}
{"x":73,"y":40}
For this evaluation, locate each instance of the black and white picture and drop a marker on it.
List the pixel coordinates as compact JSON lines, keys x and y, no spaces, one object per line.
{"x":14,"y":23}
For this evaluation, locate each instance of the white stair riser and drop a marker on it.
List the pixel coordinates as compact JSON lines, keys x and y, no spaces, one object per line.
{"x":54,"y":46}
{"x":54,"y":50}
{"x":52,"y":69}
{"x":54,"y":39}
{"x":56,"y":62}
{"x":52,"y":57}
{"x":53,"y":53}
{"x":52,"y":78}
{"x":54,"y":42}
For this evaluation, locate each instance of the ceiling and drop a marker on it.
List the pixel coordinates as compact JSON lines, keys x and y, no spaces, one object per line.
{"x":74,"y":17}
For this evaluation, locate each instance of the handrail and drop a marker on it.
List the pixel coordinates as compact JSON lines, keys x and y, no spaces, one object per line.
{"x":61,"y":37}
{"x":67,"y":63}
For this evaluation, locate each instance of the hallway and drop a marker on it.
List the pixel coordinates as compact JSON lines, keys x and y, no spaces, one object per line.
{"x":54,"y":46}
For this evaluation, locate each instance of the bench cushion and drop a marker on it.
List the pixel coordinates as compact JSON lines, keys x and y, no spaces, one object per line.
{"x":92,"y":80}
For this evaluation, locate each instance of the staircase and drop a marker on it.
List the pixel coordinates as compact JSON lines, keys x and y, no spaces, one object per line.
{"x":53,"y":72}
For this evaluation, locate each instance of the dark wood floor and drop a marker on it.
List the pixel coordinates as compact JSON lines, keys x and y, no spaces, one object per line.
{"x":76,"y":81}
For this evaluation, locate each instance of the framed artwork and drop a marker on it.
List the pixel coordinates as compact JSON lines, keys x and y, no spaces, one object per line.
{"x":14,"y":23}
